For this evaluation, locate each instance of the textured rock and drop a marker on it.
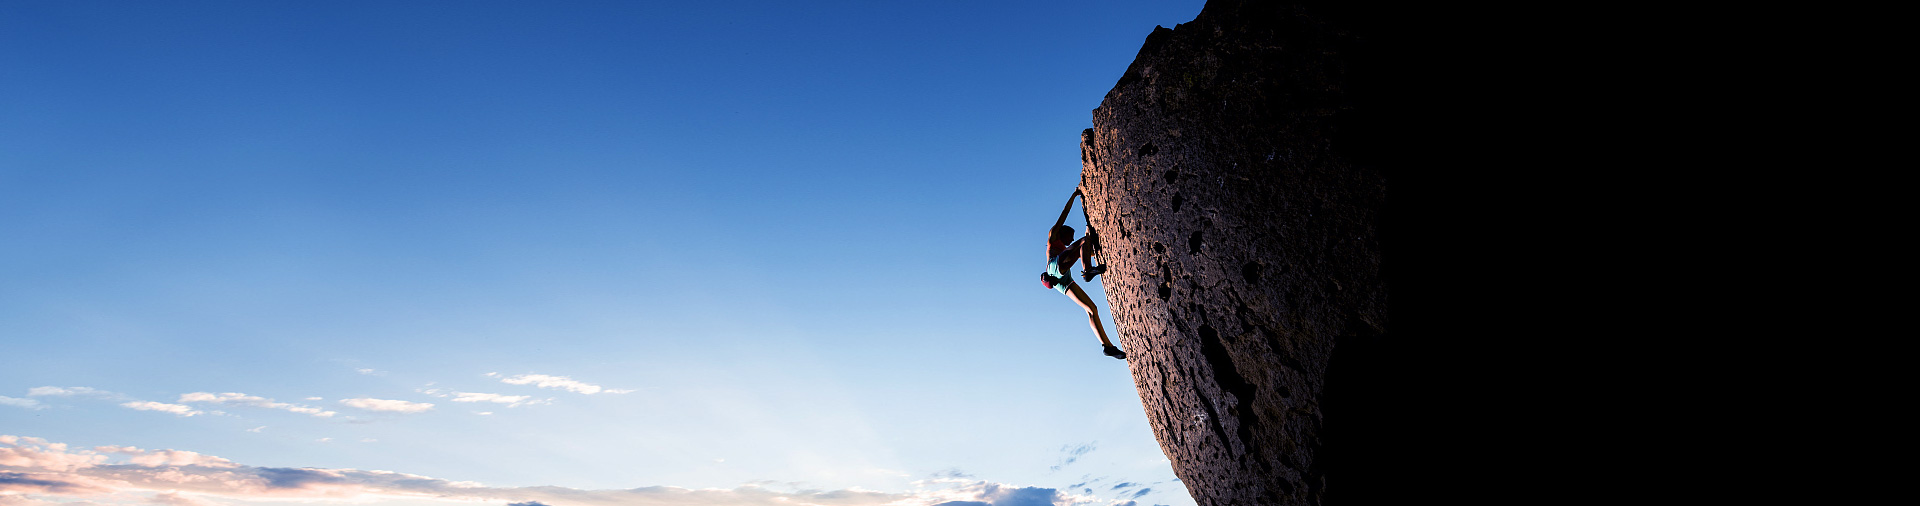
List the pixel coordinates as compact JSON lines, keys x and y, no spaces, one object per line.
{"x":1244,"y":248}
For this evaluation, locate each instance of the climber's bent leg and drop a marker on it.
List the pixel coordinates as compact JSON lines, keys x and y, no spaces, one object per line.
{"x":1069,"y":255}
{"x":1087,"y":247}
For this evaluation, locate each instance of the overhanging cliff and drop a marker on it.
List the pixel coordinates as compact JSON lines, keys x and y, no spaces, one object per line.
{"x":1244,"y":247}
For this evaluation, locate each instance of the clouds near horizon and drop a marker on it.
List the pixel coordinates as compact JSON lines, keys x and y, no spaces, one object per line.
{"x":33,"y":466}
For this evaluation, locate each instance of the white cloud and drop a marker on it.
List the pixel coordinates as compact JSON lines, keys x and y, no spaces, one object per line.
{"x":324,"y":440}
{"x":181,"y":484}
{"x":69,"y":392}
{"x":20,"y":403}
{"x":481,"y":397}
{"x":159,"y":458}
{"x":366,"y":370}
{"x":387,"y":405}
{"x":240,"y":399}
{"x":555,"y":382}
{"x":512,"y":401}
{"x":257,"y":429}
{"x":162,"y":407}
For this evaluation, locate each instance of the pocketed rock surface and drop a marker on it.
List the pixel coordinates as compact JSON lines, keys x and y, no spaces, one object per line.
{"x":1243,"y":248}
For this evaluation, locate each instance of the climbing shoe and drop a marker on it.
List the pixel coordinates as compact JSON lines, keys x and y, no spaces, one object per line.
{"x":1090,"y":272}
{"x":1114,"y":352}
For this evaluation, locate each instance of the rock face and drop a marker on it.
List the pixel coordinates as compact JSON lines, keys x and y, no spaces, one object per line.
{"x":1244,"y":248}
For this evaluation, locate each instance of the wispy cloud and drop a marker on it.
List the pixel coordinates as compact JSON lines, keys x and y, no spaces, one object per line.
{"x":555,"y":382}
{"x":163,"y":407}
{"x":54,"y":391}
{"x":240,"y":399}
{"x":70,"y":392}
{"x":1123,"y":491}
{"x":33,"y":466}
{"x":1072,"y":453}
{"x":512,"y":401}
{"x":388,"y":405}
{"x":177,"y":499}
{"x":951,"y":473}
{"x":159,"y":458}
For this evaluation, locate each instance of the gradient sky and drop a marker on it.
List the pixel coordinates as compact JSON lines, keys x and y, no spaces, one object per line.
{"x":755,"y":247}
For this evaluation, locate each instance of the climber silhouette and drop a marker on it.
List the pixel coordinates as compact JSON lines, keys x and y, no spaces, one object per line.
{"x":1059,"y":275}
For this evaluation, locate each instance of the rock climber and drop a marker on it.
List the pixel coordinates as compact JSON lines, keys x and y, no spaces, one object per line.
{"x":1060,"y":256}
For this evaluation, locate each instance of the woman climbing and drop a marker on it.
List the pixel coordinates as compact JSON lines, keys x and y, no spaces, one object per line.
{"x":1060,"y":257}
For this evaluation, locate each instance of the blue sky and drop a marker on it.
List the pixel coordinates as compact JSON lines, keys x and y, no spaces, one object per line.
{"x":740,"y":246}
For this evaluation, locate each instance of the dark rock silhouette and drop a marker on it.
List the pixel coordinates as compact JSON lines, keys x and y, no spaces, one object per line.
{"x":1246,"y":248}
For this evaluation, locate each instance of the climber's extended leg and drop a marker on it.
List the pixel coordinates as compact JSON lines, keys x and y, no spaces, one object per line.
{"x":1093,"y":318}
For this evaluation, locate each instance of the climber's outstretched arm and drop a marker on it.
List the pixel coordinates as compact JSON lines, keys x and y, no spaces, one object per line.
{"x":1068,"y":209}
